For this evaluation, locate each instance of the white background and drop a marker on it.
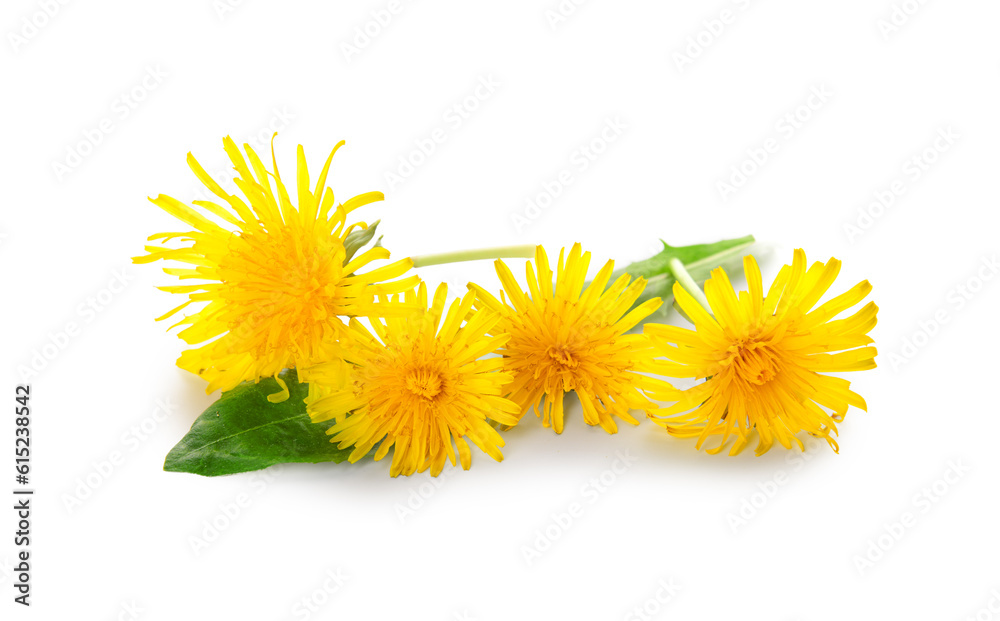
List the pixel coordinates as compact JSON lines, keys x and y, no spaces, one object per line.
{"x":669,"y":517}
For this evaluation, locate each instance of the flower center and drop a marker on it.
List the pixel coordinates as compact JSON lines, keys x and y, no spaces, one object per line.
{"x":424,"y":383}
{"x":754,"y":362}
{"x":287,"y":281}
{"x":562,"y":355}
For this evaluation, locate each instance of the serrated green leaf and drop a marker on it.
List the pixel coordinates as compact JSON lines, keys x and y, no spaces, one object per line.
{"x":358,"y":239}
{"x":698,"y":259}
{"x":243,"y":431}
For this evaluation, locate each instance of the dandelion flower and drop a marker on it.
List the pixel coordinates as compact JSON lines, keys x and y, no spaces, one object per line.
{"x":418,"y":386}
{"x":763,"y":358}
{"x":275,"y":279}
{"x":568,"y":337}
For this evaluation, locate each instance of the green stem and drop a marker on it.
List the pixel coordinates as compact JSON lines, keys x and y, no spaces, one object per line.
{"x":682,"y":276}
{"x":526,"y":251}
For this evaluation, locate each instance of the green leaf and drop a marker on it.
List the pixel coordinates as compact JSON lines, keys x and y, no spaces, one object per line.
{"x":243,"y":431}
{"x":358,"y":239}
{"x":699,"y":260}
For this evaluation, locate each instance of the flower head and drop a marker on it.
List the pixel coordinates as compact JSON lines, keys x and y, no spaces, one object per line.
{"x":418,"y":386}
{"x":569,"y":336}
{"x":273,"y":280}
{"x":763,"y":358}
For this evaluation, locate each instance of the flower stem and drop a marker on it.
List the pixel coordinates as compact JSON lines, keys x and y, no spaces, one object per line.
{"x":526,"y":251}
{"x":682,"y":276}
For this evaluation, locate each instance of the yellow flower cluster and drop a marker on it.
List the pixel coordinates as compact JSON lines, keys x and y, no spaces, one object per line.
{"x":281,"y":286}
{"x":277,"y":280}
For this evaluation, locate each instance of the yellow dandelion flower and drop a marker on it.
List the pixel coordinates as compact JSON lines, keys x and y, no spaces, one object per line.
{"x":568,"y":337}
{"x":275,"y":279}
{"x":418,"y":386}
{"x":764,"y":357}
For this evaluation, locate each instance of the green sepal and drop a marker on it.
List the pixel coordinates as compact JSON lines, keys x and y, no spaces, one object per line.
{"x":358,"y":239}
{"x":243,"y":431}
